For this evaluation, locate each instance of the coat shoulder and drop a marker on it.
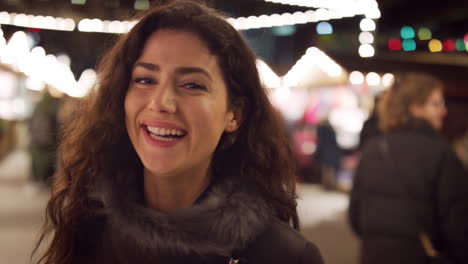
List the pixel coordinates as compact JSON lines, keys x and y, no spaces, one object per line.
{"x":280,"y":243}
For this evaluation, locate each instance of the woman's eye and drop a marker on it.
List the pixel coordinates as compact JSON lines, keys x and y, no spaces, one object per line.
{"x":143,"y":81}
{"x":195,"y":86}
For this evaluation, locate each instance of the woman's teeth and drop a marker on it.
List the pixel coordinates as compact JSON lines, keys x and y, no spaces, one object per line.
{"x":165,"y":134}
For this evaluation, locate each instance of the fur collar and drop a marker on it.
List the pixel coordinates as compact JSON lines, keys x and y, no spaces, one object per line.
{"x":224,"y":221}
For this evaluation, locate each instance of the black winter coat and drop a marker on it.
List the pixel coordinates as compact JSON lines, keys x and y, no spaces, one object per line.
{"x":426,"y":190}
{"x":228,"y":224}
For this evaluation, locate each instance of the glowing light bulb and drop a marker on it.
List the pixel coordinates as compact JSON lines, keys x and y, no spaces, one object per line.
{"x":424,"y":33}
{"x":372,"y":79}
{"x":435,"y":45}
{"x":409,"y":45}
{"x":356,"y":77}
{"x":324,"y":28}
{"x":366,"y":50}
{"x":394,"y":44}
{"x":407,"y":32}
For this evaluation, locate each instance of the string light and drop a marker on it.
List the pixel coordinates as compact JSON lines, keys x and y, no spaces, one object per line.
{"x":394,"y":44}
{"x":448,"y":45}
{"x":366,"y":38}
{"x":367,"y":24}
{"x":372,"y":79}
{"x":356,"y":78}
{"x":435,"y":45}
{"x":407,"y":32}
{"x":424,"y":33}
{"x":409,"y":45}
{"x":39,"y":22}
{"x":324,"y":28}
{"x":366,"y":50}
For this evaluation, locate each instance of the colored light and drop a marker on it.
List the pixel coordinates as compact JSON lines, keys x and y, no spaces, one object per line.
{"x":466,"y":38}
{"x":394,"y":44}
{"x":78,"y":2}
{"x":324,"y":28}
{"x":435,"y":45}
{"x":460,"y":44}
{"x":424,"y":33}
{"x":141,"y":4}
{"x":409,"y":44}
{"x":407,"y":32}
{"x":448,"y":45}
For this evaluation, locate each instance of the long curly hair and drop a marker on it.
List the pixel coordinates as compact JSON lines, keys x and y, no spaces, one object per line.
{"x":94,"y":142}
{"x":409,"y":88}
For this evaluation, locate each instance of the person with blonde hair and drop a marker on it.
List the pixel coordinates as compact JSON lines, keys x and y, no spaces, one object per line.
{"x":178,"y":156}
{"x":409,"y":202}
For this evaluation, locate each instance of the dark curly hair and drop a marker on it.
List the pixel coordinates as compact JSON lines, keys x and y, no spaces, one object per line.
{"x":95,"y":142}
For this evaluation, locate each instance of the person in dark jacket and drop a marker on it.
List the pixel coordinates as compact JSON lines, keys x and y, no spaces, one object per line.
{"x":410,"y":194}
{"x":178,"y":156}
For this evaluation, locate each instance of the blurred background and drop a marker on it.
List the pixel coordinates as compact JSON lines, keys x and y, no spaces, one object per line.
{"x":324,"y":64}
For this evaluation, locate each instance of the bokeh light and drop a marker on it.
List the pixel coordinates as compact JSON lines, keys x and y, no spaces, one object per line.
{"x":388,"y":79}
{"x":367,"y":24}
{"x":372,"y":79}
{"x":366,"y":50}
{"x":409,"y":45}
{"x":394,"y":44}
{"x":460,"y":44}
{"x":366,"y":38}
{"x":324,"y":28}
{"x":356,"y":77}
{"x":435,"y":45}
{"x":424,"y":33}
{"x":407,"y":32}
{"x":448,"y":45}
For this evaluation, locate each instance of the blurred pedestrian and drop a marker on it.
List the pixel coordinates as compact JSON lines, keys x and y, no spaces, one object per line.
{"x":409,"y":201}
{"x":43,"y":129}
{"x":328,"y":154}
{"x":179,"y":156}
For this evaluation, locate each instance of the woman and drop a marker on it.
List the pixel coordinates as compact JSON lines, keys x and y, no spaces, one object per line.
{"x":178,"y":157}
{"x":410,"y":192}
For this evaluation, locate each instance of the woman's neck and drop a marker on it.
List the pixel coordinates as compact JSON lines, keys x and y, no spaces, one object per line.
{"x":167,"y":194}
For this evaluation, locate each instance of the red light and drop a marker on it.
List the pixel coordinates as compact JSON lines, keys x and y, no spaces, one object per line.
{"x":466,"y":37}
{"x":34,"y":29}
{"x":449,"y":45}
{"x":394,"y":44}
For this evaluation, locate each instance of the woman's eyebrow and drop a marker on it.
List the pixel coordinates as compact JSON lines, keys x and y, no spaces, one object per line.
{"x":180,"y":70}
{"x":147,"y":65}
{"x":189,"y":70}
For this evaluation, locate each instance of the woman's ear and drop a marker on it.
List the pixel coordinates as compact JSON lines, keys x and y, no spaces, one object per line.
{"x":234,"y":120}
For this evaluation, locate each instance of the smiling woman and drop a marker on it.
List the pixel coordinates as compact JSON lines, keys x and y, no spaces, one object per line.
{"x":178,"y":156}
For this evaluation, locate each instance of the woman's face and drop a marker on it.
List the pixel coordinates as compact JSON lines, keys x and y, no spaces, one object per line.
{"x":433,"y":110}
{"x":176,"y":105}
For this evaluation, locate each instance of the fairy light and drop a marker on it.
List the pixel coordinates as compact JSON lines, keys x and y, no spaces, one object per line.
{"x":40,"y":22}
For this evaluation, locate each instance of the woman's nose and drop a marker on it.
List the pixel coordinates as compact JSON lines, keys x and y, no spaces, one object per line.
{"x":163,"y":99}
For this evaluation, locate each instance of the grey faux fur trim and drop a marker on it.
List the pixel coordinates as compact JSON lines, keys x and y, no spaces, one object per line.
{"x":225,"y":221}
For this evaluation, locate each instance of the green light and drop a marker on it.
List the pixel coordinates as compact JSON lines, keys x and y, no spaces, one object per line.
{"x":78,"y":2}
{"x":424,"y":33}
{"x":409,"y":44}
{"x":141,"y":5}
{"x":460,"y":44}
{"x":407,"y":32}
